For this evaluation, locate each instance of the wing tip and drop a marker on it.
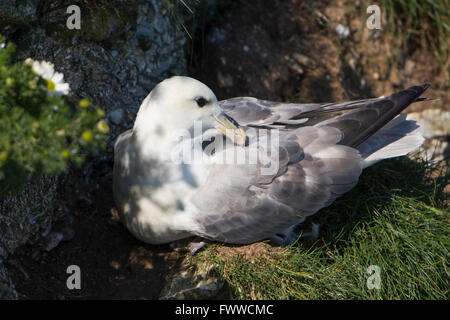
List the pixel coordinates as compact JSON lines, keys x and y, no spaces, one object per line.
{"x":425,"y":85}
{"x":419,"y":89}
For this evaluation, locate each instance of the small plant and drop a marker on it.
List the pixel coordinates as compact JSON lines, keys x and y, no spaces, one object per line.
{"x":176,"y":15}
{"x":421,"y":20}
{"x":40,"y":129}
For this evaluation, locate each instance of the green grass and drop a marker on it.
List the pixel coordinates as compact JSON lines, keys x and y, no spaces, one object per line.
{"x":396,"y":218}
{"x":178,"y":9}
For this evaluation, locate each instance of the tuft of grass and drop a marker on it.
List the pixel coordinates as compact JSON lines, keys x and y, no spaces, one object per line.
{"x":179,"y":10}
{"x":397,"y":218}
{"x":422,"y":21}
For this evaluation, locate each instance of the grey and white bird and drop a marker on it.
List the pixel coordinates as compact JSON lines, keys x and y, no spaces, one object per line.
{"x":319,"y":153}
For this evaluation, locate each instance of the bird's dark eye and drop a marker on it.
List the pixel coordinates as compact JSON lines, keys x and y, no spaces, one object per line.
{"x":201,"y":101}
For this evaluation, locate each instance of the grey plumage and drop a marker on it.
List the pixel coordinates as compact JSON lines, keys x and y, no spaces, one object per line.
{"x":251,"y":206}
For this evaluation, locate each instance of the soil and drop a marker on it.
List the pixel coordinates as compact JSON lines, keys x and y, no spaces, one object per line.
{"x":114,"y":265}
{"x":275,"y":50}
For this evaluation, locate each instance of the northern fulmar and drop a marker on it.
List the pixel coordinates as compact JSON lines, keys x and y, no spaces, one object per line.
{"x":242,"y":170}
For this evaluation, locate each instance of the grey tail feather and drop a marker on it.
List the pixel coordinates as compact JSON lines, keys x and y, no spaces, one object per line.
{"x":397,"y":138}
{"x":358,"y":125}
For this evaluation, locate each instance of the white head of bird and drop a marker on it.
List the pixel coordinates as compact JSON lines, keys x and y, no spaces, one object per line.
{"x":177,"y":104}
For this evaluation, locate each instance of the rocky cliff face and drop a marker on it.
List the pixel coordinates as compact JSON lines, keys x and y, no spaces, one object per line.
{"x":121,"y":51}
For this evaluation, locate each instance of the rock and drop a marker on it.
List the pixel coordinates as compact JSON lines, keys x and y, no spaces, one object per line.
{"x":435,"y":149}
{"x":200,"y":283}
{"x":409,"y":67}
{"x":304,"y":60}
{"x":296,"y":68}
{"x":224,"y":80}
{"x":116,"y":116}
{"x":26,"y":215}
{"x":342,"y":31}
{"x":434,"y":122}
{"x":23,"y":218}
{"x":216,"y":35}
{"x":114,"y":60}
{"x":7,"y":289}
{"x":53,"y":239}
{"x":18,"y":12}
{"x":435,"y":125}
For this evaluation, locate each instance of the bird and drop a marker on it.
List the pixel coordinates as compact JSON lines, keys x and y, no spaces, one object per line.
{"x":174,"y":178}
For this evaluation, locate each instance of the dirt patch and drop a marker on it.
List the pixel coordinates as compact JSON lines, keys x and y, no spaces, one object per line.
{"x":250,"y":252}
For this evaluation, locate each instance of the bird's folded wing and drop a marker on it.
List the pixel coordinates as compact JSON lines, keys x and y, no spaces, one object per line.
{"x":357,"y":120}
{"x":242,"y":203}
{"x":248,"y":111}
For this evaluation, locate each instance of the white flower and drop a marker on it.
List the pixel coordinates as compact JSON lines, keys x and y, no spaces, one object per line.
{"x":2,"y":45}
{"x":55,"y":80}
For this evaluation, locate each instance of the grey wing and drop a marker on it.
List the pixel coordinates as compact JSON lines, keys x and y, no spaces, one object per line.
{"x":242,"y":204}
{"x":357,"y":120}
{"x":248,"y":111}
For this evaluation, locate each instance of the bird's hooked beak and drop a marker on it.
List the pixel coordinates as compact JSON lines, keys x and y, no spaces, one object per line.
{"x":230,"y":128}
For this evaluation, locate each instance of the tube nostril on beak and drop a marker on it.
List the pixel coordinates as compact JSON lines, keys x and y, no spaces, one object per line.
{"x":230,"y":128}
